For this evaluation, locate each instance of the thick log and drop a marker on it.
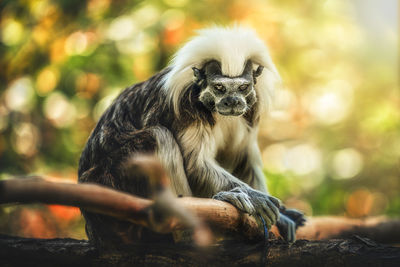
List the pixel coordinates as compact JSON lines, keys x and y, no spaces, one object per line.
{"x":16,"y":251}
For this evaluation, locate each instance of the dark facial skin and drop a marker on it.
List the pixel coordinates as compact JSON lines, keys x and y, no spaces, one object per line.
{"x":229,"y":96}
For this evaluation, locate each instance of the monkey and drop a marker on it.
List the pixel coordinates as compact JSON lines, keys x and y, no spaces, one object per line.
{"x":199,"y":117}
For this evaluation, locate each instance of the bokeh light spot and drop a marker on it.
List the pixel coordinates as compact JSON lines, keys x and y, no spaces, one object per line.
{"x":140,"y":43}
{"x":273,"y":158}
{"x":59,"y":111}
{"x":76,"y":43}
{"x":26,"y":139}
{"x":347,"y":163}
{"x":283,"y":102}
{"x":46,"y":81}
{"x":87,"y":84}
{"x":12,"y":32}
{"x":173,"y":20}
{"x":147,"y":15}
{"x":332,"y":104}
{"x":121,"y":28}
{"x":19,"y":96}
{"x":359,"y":203}
{"x":303,"y":159}
{"x":64,"y":214}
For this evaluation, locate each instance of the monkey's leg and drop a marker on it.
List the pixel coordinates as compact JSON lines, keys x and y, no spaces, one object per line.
{"x":169,"y":154}
{"x":106,"y":231}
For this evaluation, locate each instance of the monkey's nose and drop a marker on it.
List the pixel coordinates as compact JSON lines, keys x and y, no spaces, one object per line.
{"x":230,"y":101}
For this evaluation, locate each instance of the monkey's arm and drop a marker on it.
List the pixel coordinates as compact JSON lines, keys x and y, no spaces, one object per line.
{"x":208,"y":179}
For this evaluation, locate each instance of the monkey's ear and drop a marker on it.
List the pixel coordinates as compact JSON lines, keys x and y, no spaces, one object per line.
{"x":212,"y":68}
{"x":248,"y":68}
{"x":257,"y":73}
{"x":198,"y":74}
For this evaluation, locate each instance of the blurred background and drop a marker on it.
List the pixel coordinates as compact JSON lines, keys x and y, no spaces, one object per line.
{"x":331,"y":144}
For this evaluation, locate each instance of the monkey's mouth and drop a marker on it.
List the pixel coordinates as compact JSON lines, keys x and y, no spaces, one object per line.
{"x":231,"y":107}
{"x":231,"y":112}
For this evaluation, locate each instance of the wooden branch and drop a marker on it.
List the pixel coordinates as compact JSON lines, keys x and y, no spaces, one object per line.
{"x":69,"y":252}
{"x":223,"y":218}
{"x":380,"y":229}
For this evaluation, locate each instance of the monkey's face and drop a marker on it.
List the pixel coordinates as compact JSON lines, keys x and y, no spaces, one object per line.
{"x":229,"y":96}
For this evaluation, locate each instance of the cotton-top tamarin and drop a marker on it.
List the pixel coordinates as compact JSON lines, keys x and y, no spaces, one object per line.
{"x":199,"y":116}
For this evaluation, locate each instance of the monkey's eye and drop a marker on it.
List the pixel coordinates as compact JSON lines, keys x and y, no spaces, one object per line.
{"x":220,"y":87}
{"x":243,"y":87}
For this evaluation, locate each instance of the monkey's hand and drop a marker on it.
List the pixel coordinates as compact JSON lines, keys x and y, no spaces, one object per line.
{"x":253,"y":202}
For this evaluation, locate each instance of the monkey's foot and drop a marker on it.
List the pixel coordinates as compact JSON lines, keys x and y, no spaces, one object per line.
{"x":295,"y":215}
{"x":288,"y":222}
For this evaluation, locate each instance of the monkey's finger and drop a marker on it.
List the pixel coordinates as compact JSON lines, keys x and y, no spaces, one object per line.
{"x":270,"y":215}
{"x":274,"y":209}
{"x":276,"y":201}
{"x":247,"y":205}
{"x":233,"y":199}
{"x":269,"y":210}
{"x":266,"y":218}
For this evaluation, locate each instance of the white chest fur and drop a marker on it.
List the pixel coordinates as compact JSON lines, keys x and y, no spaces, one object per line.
{"x":230,"y":135}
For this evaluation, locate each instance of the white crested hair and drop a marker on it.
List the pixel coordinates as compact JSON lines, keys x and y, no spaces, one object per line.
{"x":232,"y":47}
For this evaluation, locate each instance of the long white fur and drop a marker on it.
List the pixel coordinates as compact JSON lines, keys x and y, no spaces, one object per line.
{"x":232,"y":47}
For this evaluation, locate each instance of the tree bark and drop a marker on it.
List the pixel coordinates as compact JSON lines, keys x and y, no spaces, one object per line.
{"x":16,"y":251}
